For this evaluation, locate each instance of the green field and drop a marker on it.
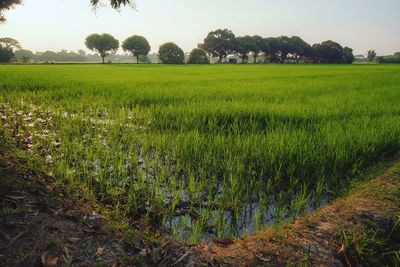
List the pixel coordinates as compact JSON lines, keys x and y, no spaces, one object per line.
{"x":199,"y":151}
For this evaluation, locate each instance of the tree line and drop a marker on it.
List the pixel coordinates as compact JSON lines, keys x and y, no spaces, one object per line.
{"x":138,"y":46}
{"x":219,"y":46}
{"x":222,"y":43}
{"x":392,"y":59}
{"x":27,"y":56}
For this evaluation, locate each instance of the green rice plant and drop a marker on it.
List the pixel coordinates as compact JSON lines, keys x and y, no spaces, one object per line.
{"x":320,"y":190}
{"x":396,"y":258}
{"x":153,"y":140}
{"x":299,"y":202}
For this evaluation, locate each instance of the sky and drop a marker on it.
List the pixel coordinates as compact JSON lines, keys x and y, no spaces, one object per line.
{"x":42,"y":25}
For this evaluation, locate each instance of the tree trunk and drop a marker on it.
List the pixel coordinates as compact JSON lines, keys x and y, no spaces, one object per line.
{"x":103,"y":59}
{"x":137,"y":59}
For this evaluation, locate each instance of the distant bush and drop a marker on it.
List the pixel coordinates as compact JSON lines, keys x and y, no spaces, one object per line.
{"x":198,"y":56}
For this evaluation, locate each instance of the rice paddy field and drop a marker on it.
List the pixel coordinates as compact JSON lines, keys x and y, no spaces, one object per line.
{"x":204,"y":151}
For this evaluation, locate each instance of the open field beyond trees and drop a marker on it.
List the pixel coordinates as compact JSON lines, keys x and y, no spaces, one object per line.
{"x":198,"y":152}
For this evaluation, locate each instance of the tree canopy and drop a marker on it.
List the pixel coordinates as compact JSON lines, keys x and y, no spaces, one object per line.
{"x":328,"y":52}
{"x":371,"y":55}
{"x":244,"y":45}
{"x":298,"y":48}
{"x":198,"y":56}
{"x":7,"y":46}
{"x":6,"y":54}
{"x":170,"y":53}
{"x":137,"y":46}
{"x":10,"y":43}
{"x":9,"y":4}
{"x":24,"y":55}
{"x":282,"y":49}
{"x":116,"y":4}
{"x":259,"y":46}
{"x":219,"y":43}
{"x":392,"y":59}
{"x":270,"y":49}
{"x":348,"y":56}
{"x":104,"y":44}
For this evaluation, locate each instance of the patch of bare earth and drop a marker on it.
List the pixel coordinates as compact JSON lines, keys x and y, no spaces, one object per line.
{"x":317,"y":239}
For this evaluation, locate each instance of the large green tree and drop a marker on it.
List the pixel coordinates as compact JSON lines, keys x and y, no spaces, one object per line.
{"x":270,"y":49}
{"x":371,"y":55}
{"x":243,"y":46}
{"x":284,"y":48}
{"x":278,"y":49}
{"x":328,"y":52}
{"x":298,"y":48}
{"x":10,"y":43}
{"x":137,"y":45}
{"x":170,"y":53}
{"x":6,"y":54}
{"x":24,"y":55}
{"x":348,"y":56}
{"x":259,"y":46}
{"x":198,"y":56}
{"x":219,"y":43}
{"x":7,"y":46}
{"x":9,"y":4}
{"x":104,"y":44}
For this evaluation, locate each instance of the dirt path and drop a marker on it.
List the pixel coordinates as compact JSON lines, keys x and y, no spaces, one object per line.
{"x":361,"y":228}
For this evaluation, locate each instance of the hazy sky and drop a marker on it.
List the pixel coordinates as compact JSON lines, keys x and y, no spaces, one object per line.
{"x":63,"y":24}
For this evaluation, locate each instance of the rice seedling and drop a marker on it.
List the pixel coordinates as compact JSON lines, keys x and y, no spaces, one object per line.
{"x":204,"y":151}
